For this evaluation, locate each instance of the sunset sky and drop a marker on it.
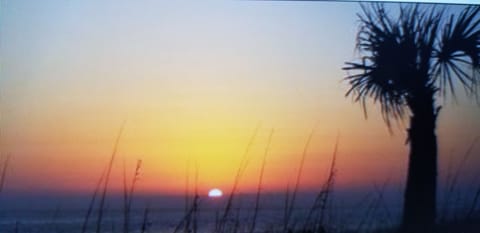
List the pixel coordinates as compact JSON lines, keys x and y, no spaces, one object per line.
{"x":192,"y":82}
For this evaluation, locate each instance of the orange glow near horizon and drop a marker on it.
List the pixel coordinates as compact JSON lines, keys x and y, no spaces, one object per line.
{"x":214,"y":154}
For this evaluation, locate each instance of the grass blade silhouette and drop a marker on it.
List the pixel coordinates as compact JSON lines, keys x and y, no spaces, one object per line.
{"x":130,"y":196}
{"x":241,"y":169}
{"x":297,"y":182}
{"x":321,"y":199}
{"x":145,"y":223}
{"x":259,"y":188}
{"x":92,"y":201}
{"x":125,"y":198}
{"x":107,"y":176}
{"x":4,"y":172}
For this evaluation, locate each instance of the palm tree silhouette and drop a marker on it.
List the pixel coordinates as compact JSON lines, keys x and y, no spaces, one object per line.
{"x":408,"y":61}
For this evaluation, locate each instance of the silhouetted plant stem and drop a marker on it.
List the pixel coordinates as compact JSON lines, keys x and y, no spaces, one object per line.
{"x":125,"y":199}
{"x":135,"y":178}
{"x":448,"y":180}
{"x":473,"y":206}
{"x":17,"y":227}
{"x":454,"y":180}
{"x":196,"y":201}
{"x":241,"y":169}
{"x":297,"y":182}
{"x":321,"y":200}
{"x":260,"y":179}
{"x":286,"y":207}
{"x":92,"y":201}
{"x":107,"y":177}
{"x":4,"y":172}
{"x":367,"y":214}
{"x":145,"y":223}
{"x":380,"y":192}
{"x":376,"y":205}
{"x":236,"y":225}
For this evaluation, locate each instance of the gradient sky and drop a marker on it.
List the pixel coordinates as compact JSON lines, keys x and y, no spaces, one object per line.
{"x":192,"y":81}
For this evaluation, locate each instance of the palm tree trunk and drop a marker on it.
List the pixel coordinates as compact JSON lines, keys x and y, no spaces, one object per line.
{"x":420,"y":194}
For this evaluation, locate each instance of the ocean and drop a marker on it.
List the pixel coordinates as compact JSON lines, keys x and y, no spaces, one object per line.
{"x":167,"y":214}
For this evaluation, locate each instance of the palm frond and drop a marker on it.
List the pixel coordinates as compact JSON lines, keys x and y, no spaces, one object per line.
{"x":416,"y":52}
{"x":397,"y":51}
{"x":458,"y":53}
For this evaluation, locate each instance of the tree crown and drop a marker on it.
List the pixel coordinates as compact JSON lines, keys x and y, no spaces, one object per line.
{"x":417,"y":52}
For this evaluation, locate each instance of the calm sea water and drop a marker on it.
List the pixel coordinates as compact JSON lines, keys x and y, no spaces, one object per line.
{"x":368,"y":214}
{"x":346,"y":211}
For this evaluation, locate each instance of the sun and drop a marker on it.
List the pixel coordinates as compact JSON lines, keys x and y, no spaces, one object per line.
{"x":215,"y":193}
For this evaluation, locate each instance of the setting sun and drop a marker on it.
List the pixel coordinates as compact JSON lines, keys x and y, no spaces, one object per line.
{"x":215,"y":193}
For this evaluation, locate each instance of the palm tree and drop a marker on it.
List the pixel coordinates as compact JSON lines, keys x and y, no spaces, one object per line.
{"x":407,"y":62}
